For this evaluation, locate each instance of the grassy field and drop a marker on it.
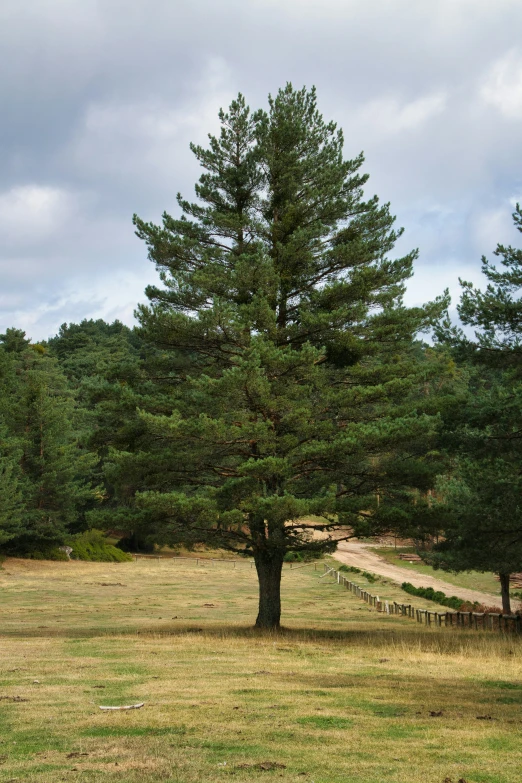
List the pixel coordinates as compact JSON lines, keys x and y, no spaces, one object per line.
{"x":474,"y":580}
{"x":342,"y":695}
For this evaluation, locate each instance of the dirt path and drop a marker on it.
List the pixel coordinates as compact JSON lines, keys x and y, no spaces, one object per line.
{"x":355,"y":553}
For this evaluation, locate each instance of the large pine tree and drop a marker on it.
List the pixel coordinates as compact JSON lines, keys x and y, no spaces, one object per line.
{"x":298,"y":411}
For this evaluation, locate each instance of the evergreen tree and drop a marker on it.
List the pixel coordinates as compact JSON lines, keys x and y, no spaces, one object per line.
{"x":482,"y":520}
{"x":10,"y":497}
{"x":11,"y":502}
{"x":496,"y":313}
{"x":45,"y":471}
{"x":298,"y":414}
{"x":113,"y":373}
{"x":483,"y":529}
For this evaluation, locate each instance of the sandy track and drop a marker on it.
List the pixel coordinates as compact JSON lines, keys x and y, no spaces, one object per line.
{"x":355,"y":553}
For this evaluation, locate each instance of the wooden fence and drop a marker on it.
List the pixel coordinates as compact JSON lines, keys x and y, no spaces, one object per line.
{"x":487,"y":621}
{"x":222,"y":560}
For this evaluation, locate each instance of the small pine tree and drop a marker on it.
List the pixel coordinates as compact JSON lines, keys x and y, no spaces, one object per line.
{"x":483,"y":527}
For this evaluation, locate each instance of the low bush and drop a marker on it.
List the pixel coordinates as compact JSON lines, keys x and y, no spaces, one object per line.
{"x":300,"y":557}
{"x":92,"y":545}
{"x":293,"y":557}
{"x":458,"y":604}
{"x":350,"y":569}
{"x":51,"y":553}
{"x":353,"y":570}
{"x":434,"y":595}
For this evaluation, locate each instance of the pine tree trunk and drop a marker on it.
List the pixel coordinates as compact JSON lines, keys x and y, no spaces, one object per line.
{"x":269,"y":566}
{"x":504,"y":591}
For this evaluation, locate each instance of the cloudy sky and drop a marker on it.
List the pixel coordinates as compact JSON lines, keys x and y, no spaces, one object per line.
{"x":100,"y":99}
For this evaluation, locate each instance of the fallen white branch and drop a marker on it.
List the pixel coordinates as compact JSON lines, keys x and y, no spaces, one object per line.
{"x":128,"y":707}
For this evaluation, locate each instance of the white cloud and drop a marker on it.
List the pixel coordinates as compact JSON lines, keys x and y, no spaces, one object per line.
{"x":112,"y":297}
{"x":388,"y":115}
{"x":502,"y":87}
{"x":149,"y":138}
{"x":430,"y":281}
{"x":31,"y":213}
{"x":490,"y":227}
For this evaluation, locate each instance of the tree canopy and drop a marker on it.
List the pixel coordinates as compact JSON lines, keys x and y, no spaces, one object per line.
{"x":298,"y":402}
{"x":481,"y":492}
{"x":44,"y":473}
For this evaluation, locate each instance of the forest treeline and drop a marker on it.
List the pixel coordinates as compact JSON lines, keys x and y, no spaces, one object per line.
{"x":276,"y":386}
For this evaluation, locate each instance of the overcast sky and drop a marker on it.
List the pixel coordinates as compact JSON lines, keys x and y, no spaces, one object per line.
{"x":99,"y":100}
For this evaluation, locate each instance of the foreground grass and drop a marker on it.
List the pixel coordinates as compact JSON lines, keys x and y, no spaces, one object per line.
{"x":473,"y":580}
{"x":342,"y":695}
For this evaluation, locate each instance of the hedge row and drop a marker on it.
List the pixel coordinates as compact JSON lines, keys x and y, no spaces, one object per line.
{"x":434,"y":595}
{"x":353,"y":570}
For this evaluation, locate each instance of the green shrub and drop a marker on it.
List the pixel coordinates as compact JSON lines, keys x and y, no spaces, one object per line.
{"x":353,"y":570}
{"x":301,"y":557}
{"x":434,"y":595}
{"x":51,"y":553}
{"x":293,"y":557}
{"x":92,"y":545}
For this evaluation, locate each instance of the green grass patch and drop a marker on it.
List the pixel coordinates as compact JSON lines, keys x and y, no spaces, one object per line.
{"x":135,"y":731}
{"x":400,"y":732}
{"x":503,"y":744}
{"x":325,"y":722}
{"x":482,"y":777}
{"x":503,"y":684}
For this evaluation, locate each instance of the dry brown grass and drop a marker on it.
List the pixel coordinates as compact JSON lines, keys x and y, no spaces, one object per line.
{"x":341,"y":695}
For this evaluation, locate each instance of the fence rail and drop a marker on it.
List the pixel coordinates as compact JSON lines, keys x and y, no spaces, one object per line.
{"x":212,"y":560}
{"x":487,"y":621}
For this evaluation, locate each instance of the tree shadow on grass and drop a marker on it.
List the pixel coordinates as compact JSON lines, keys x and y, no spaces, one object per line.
{"x":401,"y":637}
